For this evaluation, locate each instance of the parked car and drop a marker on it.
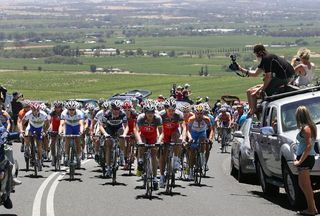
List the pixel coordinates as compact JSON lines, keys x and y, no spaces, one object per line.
{"x":274,"y":143}
{"x":86,"y":101}
{"x":242,"y":157}
{"x":130,"y":94}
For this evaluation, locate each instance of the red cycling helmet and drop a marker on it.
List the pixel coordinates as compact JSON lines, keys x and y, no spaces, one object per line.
{"x":126,"y":105}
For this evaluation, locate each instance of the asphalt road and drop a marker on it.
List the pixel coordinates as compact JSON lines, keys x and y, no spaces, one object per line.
{"x":52,"y":194}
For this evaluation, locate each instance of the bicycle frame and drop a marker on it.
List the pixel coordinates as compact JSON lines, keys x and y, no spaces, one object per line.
{"x":72,"y":155}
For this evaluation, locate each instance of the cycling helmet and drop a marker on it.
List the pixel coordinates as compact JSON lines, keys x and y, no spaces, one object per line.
{"x":58,"y":104}
{"x":134,"y":100}
{"x":160,"y":106}
{"x":186,"y":85}
{"x":101,"y":101}
{"x":185,"y":108}
{"x":149,"y":107}
{"x":35,"y":106}
{"x":198,"y":108}
{"x":105,"y":105}
{"x":223,"y":109}
{"x":90,"y":107}
{"x":79,"y":105}
{"x":206,"y":107}
{"x":26,"y":103}
{"x":116,"y":104}
{"x":71,"y":104}
{"x":127,"y":104}
{"x":43,"y":106}
{"x":170,"y":103}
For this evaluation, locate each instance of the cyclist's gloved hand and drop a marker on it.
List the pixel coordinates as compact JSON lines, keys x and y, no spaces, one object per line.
{"x":106,"y":135}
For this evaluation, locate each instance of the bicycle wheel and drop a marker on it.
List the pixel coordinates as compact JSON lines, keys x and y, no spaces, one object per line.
{"x":149,"y":185}
{"x":72,"y":162}
{"x":35,"y":156}
{"x":169,"y":175}
{"x":131,"y":158}
{"x":223,"y":141}
{"x":114,"y":165}
{"x":27,"y":158}
{"x":57,"y":157}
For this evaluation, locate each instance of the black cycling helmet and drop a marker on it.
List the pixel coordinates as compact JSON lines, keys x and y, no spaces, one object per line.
{"x":116,"y":104}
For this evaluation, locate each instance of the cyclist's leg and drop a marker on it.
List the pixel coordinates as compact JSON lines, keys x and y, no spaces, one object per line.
{"x":140,"y":159}
{"x":176,"y":138}
{"x":122,"y":143}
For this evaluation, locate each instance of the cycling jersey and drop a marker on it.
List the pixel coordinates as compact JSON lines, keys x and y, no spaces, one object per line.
{"x":149,"y":130}
{"x":113,"y":124}
{"x":36,"y":121}
{"x":99,"y":115}
{"x":55,"y":121}
{"x":4,"y":117}
{"x":224,"y":119}
{"x":198,"y":129}
{"x":170,"y":124}
{"x":72,"y":120}
{"x":132,"y":121}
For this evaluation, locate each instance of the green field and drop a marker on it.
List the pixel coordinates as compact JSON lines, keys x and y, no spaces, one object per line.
{"x":63,"y":85}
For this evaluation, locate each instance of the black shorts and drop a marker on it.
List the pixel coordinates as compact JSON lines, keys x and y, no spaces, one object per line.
{"x":307,"y":164}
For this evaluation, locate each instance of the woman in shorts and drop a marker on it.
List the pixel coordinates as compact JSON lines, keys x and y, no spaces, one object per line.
{"x":305,"y":156}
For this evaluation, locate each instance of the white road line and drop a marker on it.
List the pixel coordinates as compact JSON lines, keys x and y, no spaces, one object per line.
{"x":36,"y":209}
{"x":50,"y":198}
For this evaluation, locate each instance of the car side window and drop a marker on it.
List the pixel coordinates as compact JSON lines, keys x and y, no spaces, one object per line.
{"x":274,"y":120}
{"x":265,"y":117}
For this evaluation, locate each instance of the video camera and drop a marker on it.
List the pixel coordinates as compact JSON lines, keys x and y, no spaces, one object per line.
{"x":233,"y":66}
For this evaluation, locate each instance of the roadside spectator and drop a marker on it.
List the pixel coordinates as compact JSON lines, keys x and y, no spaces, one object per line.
{"x":278,"y":72}
{"x":186,"y":93}
{"x":160,"y":98}
{"x":305,"y":156}
{"x":3,"y":93}
{"x":303,"y":68}
{"x":173,"y":91}
{"x":16,"y":106}
{"x":179,"y":96}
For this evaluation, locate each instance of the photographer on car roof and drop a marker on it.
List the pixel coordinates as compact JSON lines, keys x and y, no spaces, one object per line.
{"x":277,"y":71}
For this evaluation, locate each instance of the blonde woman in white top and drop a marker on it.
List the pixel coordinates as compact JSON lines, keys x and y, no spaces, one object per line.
{"x":303,"y":67}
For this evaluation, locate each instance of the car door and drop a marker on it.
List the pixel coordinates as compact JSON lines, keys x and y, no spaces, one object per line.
{"x":263,"y":142}
{"x":238,"y":142}
{"x":274,"y":162}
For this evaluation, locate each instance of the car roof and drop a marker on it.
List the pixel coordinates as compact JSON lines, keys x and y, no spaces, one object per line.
{"x":295,"y":98}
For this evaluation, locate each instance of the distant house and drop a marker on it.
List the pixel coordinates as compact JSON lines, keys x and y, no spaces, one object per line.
{"x":163,"y":54}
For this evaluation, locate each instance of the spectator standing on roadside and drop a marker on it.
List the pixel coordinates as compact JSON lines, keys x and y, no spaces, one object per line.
{"x":179,"y":96}
{"x":306,"y":156}
{"x":16,"y":106}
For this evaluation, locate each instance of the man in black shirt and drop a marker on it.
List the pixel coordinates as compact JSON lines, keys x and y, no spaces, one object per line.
{"x":16,"y":106}
{"x":277,"y":72}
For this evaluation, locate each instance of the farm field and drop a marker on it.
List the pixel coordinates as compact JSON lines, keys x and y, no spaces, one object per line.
{"x":63,"y":85}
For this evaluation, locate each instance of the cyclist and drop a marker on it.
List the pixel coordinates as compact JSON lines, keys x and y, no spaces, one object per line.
{"x":149,"y":125}
{"x":38,"y":123}
{"x":135,"y":104}
{"x":223,"y":120}
{"x":89,"y":118}
{"x":172,"y":120}
{"x":72,"y":124}
{"x":26,"y":107}
{"x":95,"y":127}
{"x":54,"y":120}
{"x":207,"y":110}
{"x":197,"y":132}
{"x":129,"y":129}
{"x":5,"y":117}
{"x":112,"y":125}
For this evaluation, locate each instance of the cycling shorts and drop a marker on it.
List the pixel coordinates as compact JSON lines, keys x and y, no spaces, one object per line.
{"x":168,"y":134}
{"x":196,"y":136}
{"x":38,"y":131}
{"x":72,"y":130}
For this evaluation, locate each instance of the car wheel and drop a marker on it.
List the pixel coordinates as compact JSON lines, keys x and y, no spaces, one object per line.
{"x":292,"y":188}
{"x":241,"y":176}
{"x":232,"y":168}
{"x":267,"y":188}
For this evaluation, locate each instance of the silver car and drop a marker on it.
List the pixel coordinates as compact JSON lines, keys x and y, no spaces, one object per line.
{"x":242,"y":157}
